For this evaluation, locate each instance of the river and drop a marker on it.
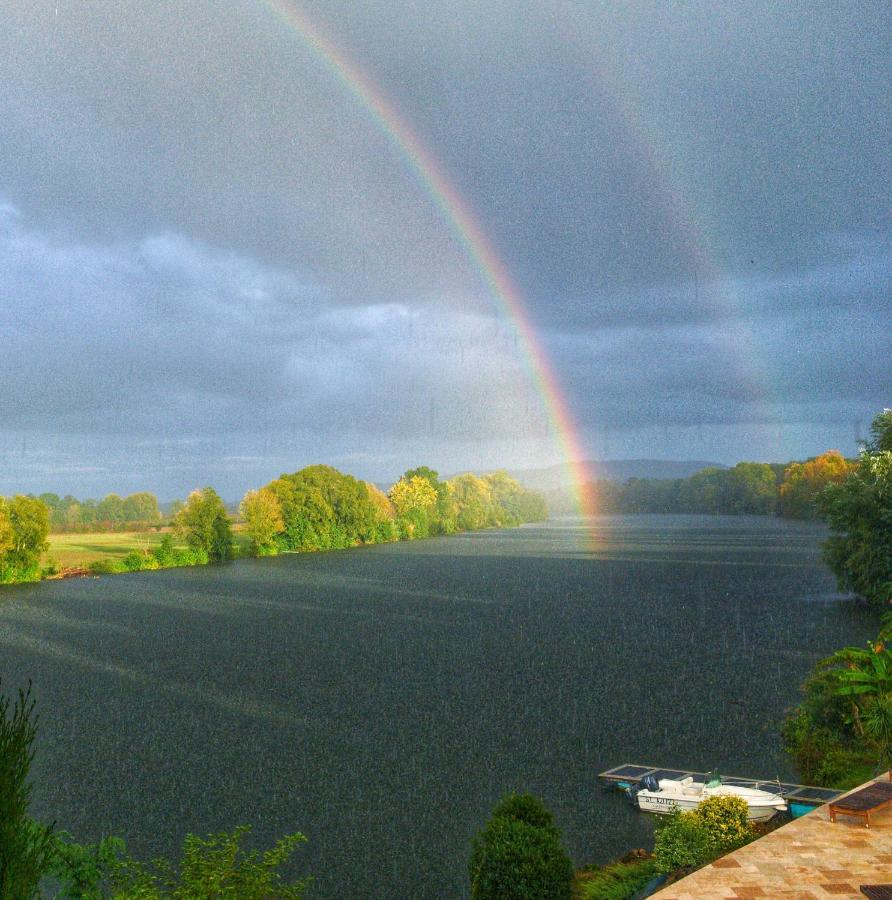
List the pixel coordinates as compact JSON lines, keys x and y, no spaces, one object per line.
{"x":382,"y":699}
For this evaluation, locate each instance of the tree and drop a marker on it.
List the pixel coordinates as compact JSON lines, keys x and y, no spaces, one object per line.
{"x":518,"y":854}
{"x":802,"y":482}
{"x":324,"y":509}
{"x":385,"y":515}
{"x":263,"y":517}
{"x":414,"y":499}
{"x":474,"y":500}
{"x":881,"y":430}
{"x":24,"y":526}
{"x":205,"y":526}
{"x":859,"y":512}
{"x":24,"y":849}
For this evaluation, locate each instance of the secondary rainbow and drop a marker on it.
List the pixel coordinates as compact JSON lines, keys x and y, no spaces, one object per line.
{"x":470,"y":235}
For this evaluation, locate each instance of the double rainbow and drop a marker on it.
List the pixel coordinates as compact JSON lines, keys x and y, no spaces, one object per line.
{"x":457,"y":213}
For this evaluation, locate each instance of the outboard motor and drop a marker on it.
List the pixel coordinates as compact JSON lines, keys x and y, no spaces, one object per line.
{"x":650,"y":783}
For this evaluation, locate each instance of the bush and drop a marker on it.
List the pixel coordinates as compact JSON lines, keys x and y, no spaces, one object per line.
{"x":525,"y":808}
{"x":617,"y":881}
{"x":106,"y":567}
{"x":214,"y":867}
{"x":24,"y":847}
{"x":519,"y":854}
{"x":681,"y":841}
{"x":690,"y":839}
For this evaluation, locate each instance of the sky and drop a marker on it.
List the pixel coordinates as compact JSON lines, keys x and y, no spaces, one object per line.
{"x":218,"y":263}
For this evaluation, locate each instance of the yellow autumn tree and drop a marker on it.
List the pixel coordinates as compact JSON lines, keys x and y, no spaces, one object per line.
{"x":413,"y":499}
{"x":263,"y":520}
{"x":804,"y":481}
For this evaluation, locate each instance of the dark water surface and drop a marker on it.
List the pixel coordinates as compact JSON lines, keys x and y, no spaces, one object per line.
{"x":381,"y":700}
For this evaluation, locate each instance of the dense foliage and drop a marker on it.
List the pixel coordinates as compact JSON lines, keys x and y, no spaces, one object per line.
{"x":24,"y":525}
{"x":205,"y":526}
{"x":803,"y":482}
{"x":111,"y":513}
{"x":746,"y":489}
{"x":212,"y":868}
{"x":841,"y":732}
{"x":616,"y":881}
{"x":690,"y":839}
{"x":519,"y":855}
{"x":859,"y":512}
{"x":24,"y":848}
{"x":320,"y":508}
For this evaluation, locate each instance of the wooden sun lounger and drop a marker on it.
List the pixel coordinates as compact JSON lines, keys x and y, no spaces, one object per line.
{"x":862,"y":803}
{"x":877,"y":891}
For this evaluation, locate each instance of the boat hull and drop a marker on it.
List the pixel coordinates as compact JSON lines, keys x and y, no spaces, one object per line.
{"x":686,"y":796}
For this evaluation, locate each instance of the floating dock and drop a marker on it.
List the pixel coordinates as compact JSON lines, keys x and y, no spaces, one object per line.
{"x":800,"y":794}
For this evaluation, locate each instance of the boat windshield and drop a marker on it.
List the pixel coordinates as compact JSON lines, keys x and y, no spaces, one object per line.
{"x":713,"y":779}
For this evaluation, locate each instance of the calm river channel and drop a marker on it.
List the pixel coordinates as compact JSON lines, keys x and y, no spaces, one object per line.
{"x":381,"y":700}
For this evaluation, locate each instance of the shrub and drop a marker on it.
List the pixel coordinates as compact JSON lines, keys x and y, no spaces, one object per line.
{"x":717,"y":826}
{"x":617,"y":881}
{"x":24,"y":847}
{"x":725,"y":820}
{"x":525,"y":808}
{"x":106,"y":566}
{"x":519,"y":854}
{"x":214,"y":867}
{"x":681,"y":841}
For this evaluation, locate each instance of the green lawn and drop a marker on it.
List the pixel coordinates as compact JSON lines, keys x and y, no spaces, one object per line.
{"x":75,"y":550}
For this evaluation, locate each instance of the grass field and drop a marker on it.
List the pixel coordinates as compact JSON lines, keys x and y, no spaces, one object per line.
{"x":75,"y":550}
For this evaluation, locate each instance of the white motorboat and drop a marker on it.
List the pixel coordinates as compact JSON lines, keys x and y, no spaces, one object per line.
{"x":666,"y":795}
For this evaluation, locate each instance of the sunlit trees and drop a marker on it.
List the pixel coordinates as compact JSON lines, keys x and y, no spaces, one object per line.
{"x":385,"y":515}
{"x":804,"y":481}
{"x":324,"y":509}
{"x":24,"y":525}
{"x":441,"y":519}
{"x":205,"y":526}
{"x":859,"y":512}
{"x":263,"y":520}
{"x":473,"y":497}
{"x":415,"y":500}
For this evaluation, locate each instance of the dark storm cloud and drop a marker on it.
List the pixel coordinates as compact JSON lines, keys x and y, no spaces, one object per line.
{"x":213,"y":260}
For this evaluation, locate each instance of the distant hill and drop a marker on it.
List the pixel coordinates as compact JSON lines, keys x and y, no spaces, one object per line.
{"x":618,"y":470}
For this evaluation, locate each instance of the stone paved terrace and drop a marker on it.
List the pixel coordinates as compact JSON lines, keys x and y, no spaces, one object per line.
{"x":809,"y":857}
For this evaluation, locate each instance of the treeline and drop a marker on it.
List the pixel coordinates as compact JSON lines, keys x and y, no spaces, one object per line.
{"x":759,"y":489}
{"x":317,"y":508}
{"x":111,"y":513}
{"x":320,"y":508}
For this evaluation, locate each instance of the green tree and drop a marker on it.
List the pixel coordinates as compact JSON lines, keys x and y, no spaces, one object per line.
{"x":519,"y":855}
{"x":205,"y":526}
{"x":263,"y":519}
{"x":881,"y":432}
{"x":25,"y":850}
{"x":859,"y":513}
{"x":324,"y":509}
{"x":24,"y":526}
{"x":214,"y":868}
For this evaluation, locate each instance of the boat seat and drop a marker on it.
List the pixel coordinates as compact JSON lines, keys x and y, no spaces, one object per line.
{"x":686,"y":781}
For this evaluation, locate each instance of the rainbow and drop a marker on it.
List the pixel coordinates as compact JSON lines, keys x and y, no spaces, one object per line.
{"x":458,"y":214}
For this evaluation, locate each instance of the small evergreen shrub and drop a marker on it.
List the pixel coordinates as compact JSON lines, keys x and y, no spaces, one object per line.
{"x":519,"y":855}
